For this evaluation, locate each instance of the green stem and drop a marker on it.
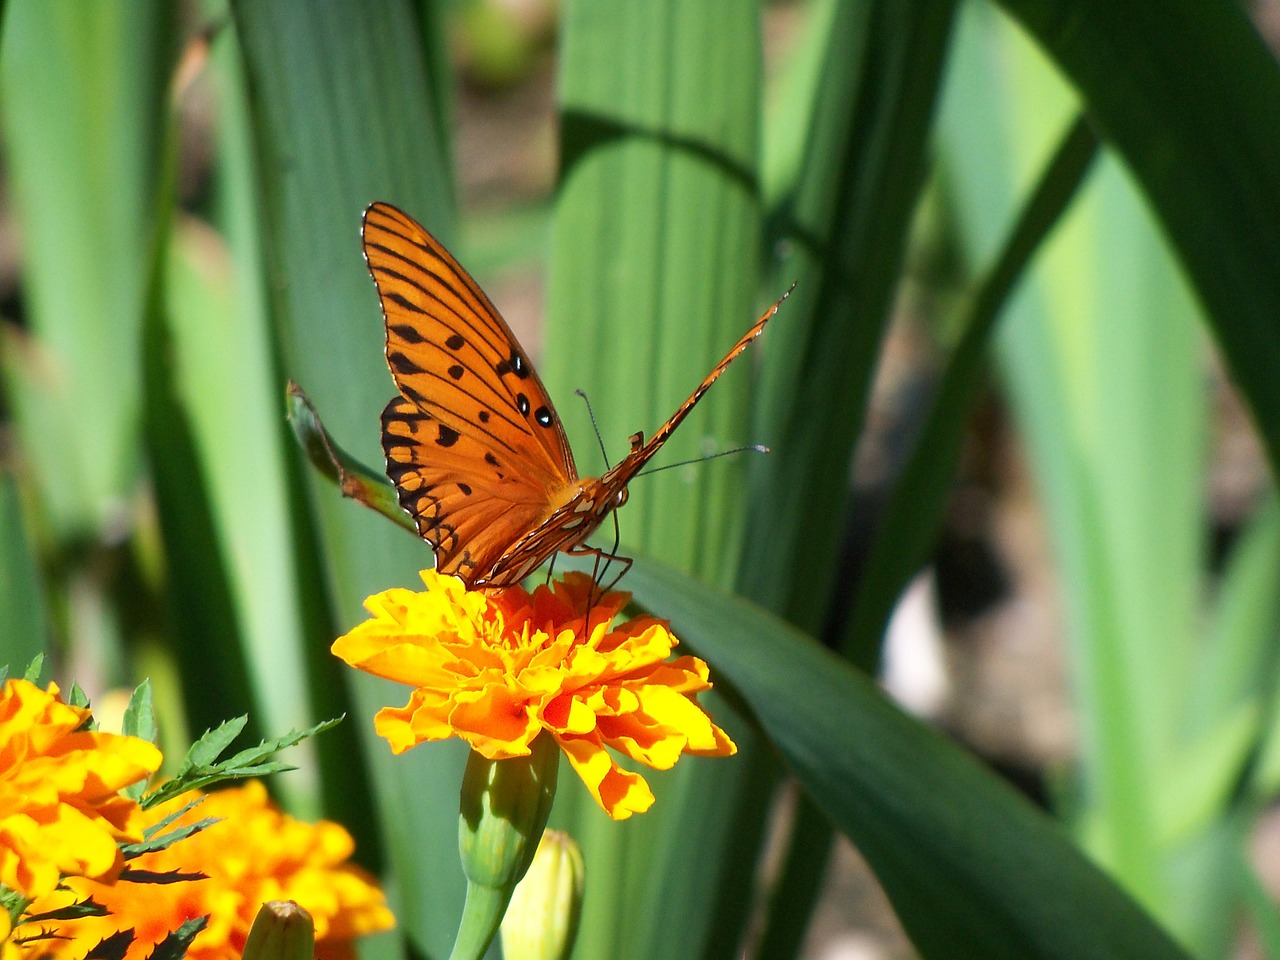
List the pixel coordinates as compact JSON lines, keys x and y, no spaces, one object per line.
{"x":481,"y":916}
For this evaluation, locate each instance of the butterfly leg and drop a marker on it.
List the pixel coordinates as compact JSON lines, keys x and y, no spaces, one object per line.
{"x":601,"y":563}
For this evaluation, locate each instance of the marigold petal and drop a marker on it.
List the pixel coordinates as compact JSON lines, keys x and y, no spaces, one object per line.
{"x":60,"y":808}
{"x":256,"y":853}
{"x":619,"y":792}
{"x":410,"y":725}
{"x":371,"y":648}
{"x":496,"y":668}
{"x":494,"y":721}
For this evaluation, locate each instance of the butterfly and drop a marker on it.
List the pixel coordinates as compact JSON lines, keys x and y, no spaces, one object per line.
{"x":474,"y":446}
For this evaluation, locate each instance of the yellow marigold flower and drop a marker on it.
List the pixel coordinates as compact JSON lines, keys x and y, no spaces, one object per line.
{"x":497,"y":670}
{"x":254,"y":854}
{"x":61,"y":812}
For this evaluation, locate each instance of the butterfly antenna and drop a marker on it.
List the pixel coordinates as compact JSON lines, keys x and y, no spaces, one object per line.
{"x":595,"y":426}
{"x":751,"y":448}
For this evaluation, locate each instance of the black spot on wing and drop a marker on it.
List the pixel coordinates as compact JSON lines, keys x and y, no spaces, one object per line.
{"x":407,"y":333}
{"x":465,"y":488}
{"x":403,"y":365}
{"x":402,"y":302}
{"x":522,"y":404}
{"x":447,"y":437}
{"x":484,"y":416}
{"x":456,"y":371}
{"x":455,"y":342}
{"x":516,"y":363}
{"x":490,"y":459}
{"x":543,"y":417}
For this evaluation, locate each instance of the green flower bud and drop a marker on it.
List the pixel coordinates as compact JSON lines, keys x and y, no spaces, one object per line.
{"x":542,"y":918}
{"x":282,"y":930}
{"x":505,"y":805}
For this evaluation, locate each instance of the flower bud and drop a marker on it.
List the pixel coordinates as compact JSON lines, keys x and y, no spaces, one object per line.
{"x":542,"y":918}
{"x":282,"y":930}
{"x":505,"y":805}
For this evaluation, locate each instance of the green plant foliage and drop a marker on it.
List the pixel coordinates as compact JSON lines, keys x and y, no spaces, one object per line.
{"x":1097,"y":179}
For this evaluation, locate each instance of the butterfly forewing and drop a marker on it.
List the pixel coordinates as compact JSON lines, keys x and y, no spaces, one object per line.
{"x":454,"y":357}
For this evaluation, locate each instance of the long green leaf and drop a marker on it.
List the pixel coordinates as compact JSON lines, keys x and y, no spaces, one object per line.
{"x":846,"y":216}
{"x":846,"y":219}
{"x":24,"y":623}
{"x":343,"y":115}
{"x":1203,"y":143}
{"x":971,"y":868}
{"x":84,"y":89}
{"x":913,"y":516}
{"x":653,"y":276}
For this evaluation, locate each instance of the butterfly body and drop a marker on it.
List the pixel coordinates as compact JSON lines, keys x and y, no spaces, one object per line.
{"x":473,"y":443}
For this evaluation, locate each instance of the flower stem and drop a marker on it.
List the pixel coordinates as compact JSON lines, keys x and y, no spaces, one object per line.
{"x":481,"y":917}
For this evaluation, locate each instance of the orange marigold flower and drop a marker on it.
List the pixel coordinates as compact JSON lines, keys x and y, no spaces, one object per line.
{"x":61,"y":811}
{"x":497,"y":670}
{"x":255,"y":853}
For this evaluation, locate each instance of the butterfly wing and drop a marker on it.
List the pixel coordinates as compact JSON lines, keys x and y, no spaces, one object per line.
{"x":590,"y":501}
{"x":473,"y":443}
{"x":614,"y":482}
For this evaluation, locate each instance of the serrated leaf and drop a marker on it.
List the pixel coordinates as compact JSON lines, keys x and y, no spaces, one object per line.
{"x":251,"y":762}
{"x":166,"y":840}
{"x":113,"y":947}
{"x":205,"y":750}
{"x":77,"y":697}
{"x":161,"y":876}
{"x":251,"y":755}
{"x":82,"y":908}
{"x":139,"y":716}
{"x":174,"y":946}
{"x":156,"y":828}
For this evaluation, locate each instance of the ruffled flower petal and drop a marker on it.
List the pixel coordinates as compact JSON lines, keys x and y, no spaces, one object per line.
{"x":254,"y":854}
{"x":61,"y":813}
{"x":497,"y":669}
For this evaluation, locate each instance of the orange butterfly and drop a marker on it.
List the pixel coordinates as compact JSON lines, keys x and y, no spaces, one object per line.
{"x":473,"y":444}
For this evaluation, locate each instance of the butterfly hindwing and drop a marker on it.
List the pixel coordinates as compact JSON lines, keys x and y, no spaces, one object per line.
{"x":464,"y":499}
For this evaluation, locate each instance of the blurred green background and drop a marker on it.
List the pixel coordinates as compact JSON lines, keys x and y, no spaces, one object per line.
{"x":1023,"y":407}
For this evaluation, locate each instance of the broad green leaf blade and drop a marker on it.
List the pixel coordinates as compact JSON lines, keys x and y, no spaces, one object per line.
{"x":971,"y":868}
{"x":197,"y":607}
{"x":226,"y":382}
{"x":24,"y":625}
{"x":653,"y":276}
{"x":845,"y":216}
{"x":83,"y":90}
{"x":655,"y":250}
{"x":1203,"y":143}
{"x":343,"y":116}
